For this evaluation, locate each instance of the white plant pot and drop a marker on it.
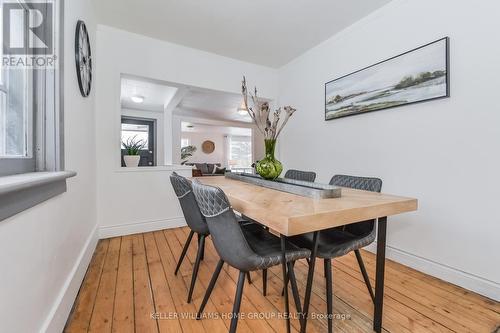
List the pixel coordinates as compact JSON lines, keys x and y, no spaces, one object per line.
{"x":132,"y":161}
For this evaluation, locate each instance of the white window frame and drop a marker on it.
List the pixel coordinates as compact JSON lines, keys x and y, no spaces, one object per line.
{"x":46,"y":133}
{"x":20,"y":187}
{"x":17,"y":164}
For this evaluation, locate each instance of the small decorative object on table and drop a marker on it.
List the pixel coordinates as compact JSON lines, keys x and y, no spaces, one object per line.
{"x":133,"y":149}
{"x":270,"y":126}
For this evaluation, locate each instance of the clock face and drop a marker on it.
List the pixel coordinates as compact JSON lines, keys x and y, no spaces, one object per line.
{"x":83,"y":58}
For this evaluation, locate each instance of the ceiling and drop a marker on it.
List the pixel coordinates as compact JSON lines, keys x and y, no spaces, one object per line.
{"x":211,"y":104}
{"x":156,"y":95}
{"x":264,"y":32}
{"x":184,"y":100}
{"x":189,"y":127}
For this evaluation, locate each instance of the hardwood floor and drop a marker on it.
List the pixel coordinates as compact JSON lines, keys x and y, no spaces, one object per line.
{"x":130,"y":286}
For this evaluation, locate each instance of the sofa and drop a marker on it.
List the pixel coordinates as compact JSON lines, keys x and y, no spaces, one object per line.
{"x":207,"y":169}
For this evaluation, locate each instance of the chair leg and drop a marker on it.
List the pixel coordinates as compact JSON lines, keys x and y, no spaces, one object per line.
{"x":196,"y":267}
{"x":237,"y":302}
{"x":283,"y":289}
{"x":202,"y":248}
{"x":264,"y":282}
{"x":295,"y":289}
{"x":184,"y":250}
{"x":329,"y":293}
{"x":211,"y":286}
{"x":249,"y":278}
{"x":365,"y":275}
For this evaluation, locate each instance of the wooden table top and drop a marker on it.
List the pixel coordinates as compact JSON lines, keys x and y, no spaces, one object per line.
{"x":291,"y":214}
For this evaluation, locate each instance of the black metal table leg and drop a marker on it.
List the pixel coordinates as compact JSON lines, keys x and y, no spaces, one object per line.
{"x":310,"y":275}
{"x":285,"y":281}
{"x":379,"y":282}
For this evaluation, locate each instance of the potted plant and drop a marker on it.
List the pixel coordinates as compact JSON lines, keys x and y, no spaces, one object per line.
{"x":270,"y":124}
{"x":187,"y":152}
{"x":133,"y":148}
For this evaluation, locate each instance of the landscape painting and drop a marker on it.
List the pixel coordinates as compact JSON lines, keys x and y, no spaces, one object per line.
{"x":415,"y":76}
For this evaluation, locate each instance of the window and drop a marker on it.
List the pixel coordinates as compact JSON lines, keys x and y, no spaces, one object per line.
{"x":16,"y":103}
{"x":240,"y":152}
{"x":31,"y":133}
{"x":31,"y":128}
{"x":140,"y":129}
{"x":184,"y":142}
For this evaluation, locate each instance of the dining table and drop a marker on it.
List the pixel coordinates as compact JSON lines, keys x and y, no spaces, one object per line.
{"x":287,"y":215}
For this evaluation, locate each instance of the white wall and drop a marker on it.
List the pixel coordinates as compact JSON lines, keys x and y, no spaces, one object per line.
{"x":197,"y":139}
{"x":444,"y":152}
{"x":120,"y":192}
{"x":41,"y":248}
{"x":160,"y":129}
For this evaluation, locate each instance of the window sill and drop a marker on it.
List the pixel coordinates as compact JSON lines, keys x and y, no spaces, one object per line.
{"x":159,"y":168}
{"x":23,"y":191}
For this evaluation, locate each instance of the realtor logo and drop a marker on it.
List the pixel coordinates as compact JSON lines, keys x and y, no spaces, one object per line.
{"x":28,"y":28}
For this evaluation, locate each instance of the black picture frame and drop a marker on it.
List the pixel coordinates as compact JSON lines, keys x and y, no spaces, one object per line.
{"x":447,"y":80}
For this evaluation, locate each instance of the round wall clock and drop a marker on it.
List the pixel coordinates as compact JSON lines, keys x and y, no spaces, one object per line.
{"x":83,"y":58}
{"x":208,"y":147}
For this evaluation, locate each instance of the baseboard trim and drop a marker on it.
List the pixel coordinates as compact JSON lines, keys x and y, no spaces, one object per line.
{"x":139,"y":227}
{"x":460,"y":278}
{"x":56,"y":320}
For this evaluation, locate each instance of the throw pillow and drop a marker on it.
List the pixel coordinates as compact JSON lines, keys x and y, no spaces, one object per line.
{"x":219,"y":170}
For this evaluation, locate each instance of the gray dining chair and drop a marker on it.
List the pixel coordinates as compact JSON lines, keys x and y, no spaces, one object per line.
{"x":307,"y":176}
{"x":244,"y":247}
{"x":336,"y":242}
{"x":195,"y":221}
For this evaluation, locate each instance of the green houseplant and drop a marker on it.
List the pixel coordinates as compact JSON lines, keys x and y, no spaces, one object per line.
{"x":187,"y":152}
{"x":132,"y":148}
{"x":270,"y":124}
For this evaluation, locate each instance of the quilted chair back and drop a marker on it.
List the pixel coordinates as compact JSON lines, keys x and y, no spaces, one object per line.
{"x":359,"y":183}
{"x":227,"y":236}
{"x":184,"y":191}
{"x":307,"y":176}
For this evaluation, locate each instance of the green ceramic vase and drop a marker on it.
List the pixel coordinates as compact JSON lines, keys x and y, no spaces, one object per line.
{"x":269,"y":167}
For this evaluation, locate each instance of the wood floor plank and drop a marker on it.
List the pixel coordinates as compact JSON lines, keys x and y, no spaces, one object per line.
{"x":447,"y":301}
{"x":164,"y":303}
{"x":102,"y":315}
{"x":187,"y":311}
{"x":211,"y":324}
{"x":131,"y":277}
{"x":220,"y":302}
{"x":254,"y":295}
{"x":433,"y":282}
{"x":437,"y":308}
{"x":82,"y":311}
{"x":247,"y":307}
{"x":354,"y":295}
{"x":123,"y":315}
{"x":143,"y":295}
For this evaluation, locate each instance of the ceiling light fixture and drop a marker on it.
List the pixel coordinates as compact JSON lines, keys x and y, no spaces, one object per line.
{"x":137,"y":99}
{"x":242,"y":110}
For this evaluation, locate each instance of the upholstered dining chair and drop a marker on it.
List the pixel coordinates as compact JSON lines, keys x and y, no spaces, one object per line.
{"x":195,"y":221}
{"x":336,"y":242}
{"x":244,"y":247}
{"x":307,"y":176}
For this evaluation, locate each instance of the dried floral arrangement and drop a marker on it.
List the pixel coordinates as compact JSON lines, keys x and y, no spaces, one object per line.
{"x":261,"y":113}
